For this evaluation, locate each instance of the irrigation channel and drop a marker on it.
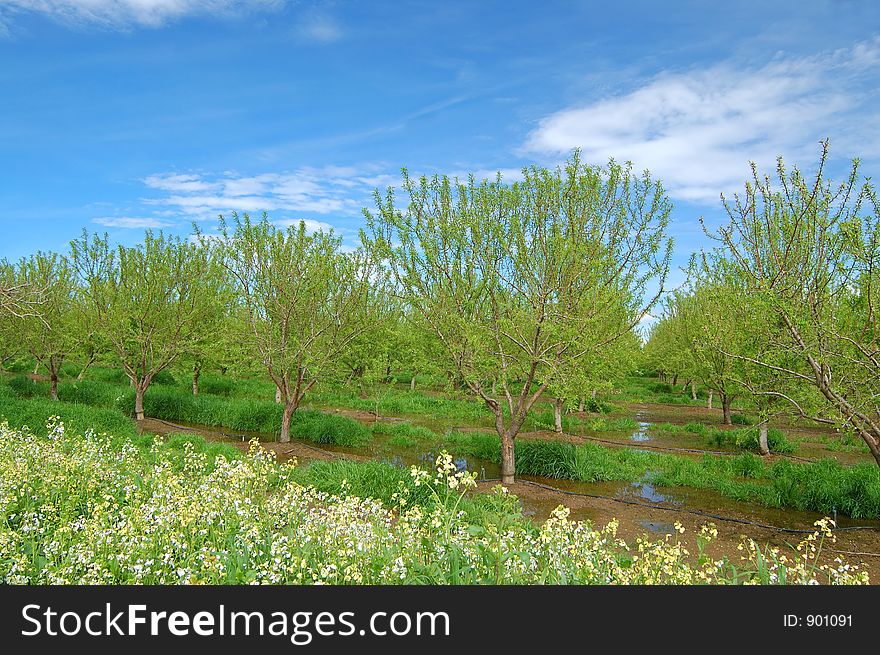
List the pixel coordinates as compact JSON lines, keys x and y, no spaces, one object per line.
{"x":641,"y":508}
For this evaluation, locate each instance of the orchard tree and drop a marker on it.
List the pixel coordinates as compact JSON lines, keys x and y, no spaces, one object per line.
{"x":522,"y":283}
{"x":152,"y":301}
{"x":808,"y":250}
{"x":416,"y":348}
{"x":49,"y":332}
{"x":596,"y":371}
{"x":17,"y":299}
{"x":305,"y":300}
{"x":9,"y":345}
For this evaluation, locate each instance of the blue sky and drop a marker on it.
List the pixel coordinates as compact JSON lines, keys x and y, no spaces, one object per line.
{"x":125,"y":114}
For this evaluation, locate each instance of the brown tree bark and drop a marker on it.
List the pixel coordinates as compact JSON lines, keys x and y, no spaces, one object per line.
{"x":558,"y":405}
{"x":289,"y":409}
{"x":709,"y":402}
{"x":763,"y":444}
{"x":725,"y":409}
{"x":85,"y":368}
{"x":197,"y":372}
{"x":139,"y":391}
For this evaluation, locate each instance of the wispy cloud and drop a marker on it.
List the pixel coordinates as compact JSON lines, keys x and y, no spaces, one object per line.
{"x":132,"y":222}
{"x":130,"y":13}
{"x":319,"y":28}
{"x":698,"y":130}
{"x":331,"y":190}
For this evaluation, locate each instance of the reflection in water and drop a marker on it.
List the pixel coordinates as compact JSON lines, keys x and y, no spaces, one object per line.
{"x":658,"y":526}
{"x":646,"y":490}
{"x":642,"y":433}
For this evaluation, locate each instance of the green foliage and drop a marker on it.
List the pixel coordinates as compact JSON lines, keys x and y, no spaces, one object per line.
{"x":394,"y":402}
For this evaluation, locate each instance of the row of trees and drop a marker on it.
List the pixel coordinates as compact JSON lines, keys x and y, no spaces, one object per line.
{"x":515,"y":291}
{"x":784,"y":311}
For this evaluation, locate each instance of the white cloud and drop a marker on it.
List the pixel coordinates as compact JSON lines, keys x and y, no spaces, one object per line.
{"x":132,"y":222}
{"x":319,"y":28}
{"x":697,"y":131}
{"x":126,"y":13}
{"x":340,"y":191}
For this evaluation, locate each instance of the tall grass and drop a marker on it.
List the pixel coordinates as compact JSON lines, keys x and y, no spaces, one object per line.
{"x":742,"y":438}
{"x":35,"y":413}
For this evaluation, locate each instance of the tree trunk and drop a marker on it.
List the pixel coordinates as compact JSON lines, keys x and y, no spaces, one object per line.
{"x":693,"y":390}
{"x":508,"y":459}
{"x":85,"y":368}
{"x":873,"y":445}
{"x":558,"y":404}
{"x":139,"y":391}
{"x":277,"y":394}
{"x":53,"y":383}
{"x":412,"y":383}
{"x":685,"y":385}
{"x":675,"y":379}
{"x":725,"y":409}
{"x":581,"y":404}
{"x":763,"y":444}
{"x":494,"y":388}
{"x":711,"y":395}
{"x":37,"y":368}
{"x":289,"y":409}
{"x":197,"y":372}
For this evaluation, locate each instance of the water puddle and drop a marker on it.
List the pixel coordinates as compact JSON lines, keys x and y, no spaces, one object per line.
{"x":641,"y":434}
{"x":658,"y":527}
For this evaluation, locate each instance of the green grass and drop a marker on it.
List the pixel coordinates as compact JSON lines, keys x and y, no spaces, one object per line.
{"x":35,"y":412}
{"x":747,"y":439}
{"x":742,"y":438}
{"x":403,"y":433}
{"x":322,"y":428}
{"x":387,"y":483}
{"x":363,"y":479}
